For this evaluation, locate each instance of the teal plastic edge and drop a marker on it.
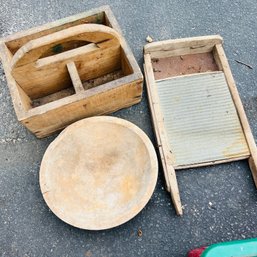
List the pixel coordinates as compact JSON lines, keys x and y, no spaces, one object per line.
{"x":239,"y":248}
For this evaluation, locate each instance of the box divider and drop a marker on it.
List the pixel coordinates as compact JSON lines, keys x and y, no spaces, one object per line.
{"x":75,"y":78}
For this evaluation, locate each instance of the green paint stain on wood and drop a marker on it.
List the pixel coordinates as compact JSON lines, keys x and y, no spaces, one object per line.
{"x":57,"y":49}
{"x":98,"y":19}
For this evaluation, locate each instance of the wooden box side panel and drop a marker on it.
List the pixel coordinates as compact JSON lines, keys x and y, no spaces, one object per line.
{"x":18,"y":39}
{"x":112,"y":22}
{"x":106,"y":102}
{"x":21,"y":102}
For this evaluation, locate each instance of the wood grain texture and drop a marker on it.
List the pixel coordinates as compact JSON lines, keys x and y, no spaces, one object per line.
{"x":240,"y":110}
{"x":182,"y":46}
{"x":76,"y":81}
{"x":188,"y":46}
{"x":160,"y":133}
{"x":41,"y":77}
{"x":95,"y":16}
{"x":31,"y":51}
{"x":175,"y":44}
{"x":20,"y":100}
{"x":99,"y":173}
{"x":65,"y":106}
{"x":52,"y":77}
{"x":73,"y":53}
{"x":182,"y":51}
{"x":49,"y":118}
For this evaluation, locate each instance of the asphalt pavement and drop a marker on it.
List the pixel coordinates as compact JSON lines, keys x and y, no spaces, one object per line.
{"x":220,"y":202}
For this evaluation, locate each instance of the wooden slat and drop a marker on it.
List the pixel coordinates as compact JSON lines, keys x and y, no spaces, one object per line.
{"x":26,"y":101}
{"x":240,"y":110}
{"x":167,"y":162}
{"x":66,"y":55}
{"x":172,"y":44}
{"x":156,"y":130}
{"x":183,"y":46}
{"x":182,"y":51}
{"x":211,"y":163}
{"x":76,"y":81}
{"x":125,"y":64}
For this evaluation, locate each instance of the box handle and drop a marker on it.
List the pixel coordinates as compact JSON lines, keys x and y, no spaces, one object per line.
{"x":39,"y":73}
{"x":34,"y":49}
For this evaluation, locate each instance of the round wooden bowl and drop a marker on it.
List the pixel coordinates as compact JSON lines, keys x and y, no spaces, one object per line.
{"x":99,"y":173}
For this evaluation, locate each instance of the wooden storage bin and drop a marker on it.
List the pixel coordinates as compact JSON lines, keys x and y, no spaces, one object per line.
{"x":70,"y":69}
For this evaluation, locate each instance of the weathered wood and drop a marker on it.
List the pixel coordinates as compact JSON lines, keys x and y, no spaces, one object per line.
{"x":51,"y":109}
{"x":182,"y":51}
{"x":109,"y":182}
{"x":76,"y":81}
{"x":33,"y":50}
{"x":21,"y":102}
{"x":240,"y":110}
{"x":154,"y":123}
{"x":204,"y":164}
{"x":45,"y":77}
{"x":24,"y":98}
{"x":180,"y":47}
{"x":125,"y":65}
{"x":253,"y":166}
{"x":40,"y":77}
{"x":49,"y":118}
{"x":169,"y":172}
{"x":217,"y":59}
{"x":55,"y":59}
{"x":95,"y":16}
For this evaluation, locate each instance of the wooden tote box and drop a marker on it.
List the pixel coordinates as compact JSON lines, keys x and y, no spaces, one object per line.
{"x":70,"y":69}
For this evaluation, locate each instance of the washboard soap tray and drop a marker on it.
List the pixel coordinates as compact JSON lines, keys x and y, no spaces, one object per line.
{"x":197,"y":113}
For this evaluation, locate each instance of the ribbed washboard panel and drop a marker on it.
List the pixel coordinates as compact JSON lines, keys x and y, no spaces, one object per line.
{"x":200,"y":119}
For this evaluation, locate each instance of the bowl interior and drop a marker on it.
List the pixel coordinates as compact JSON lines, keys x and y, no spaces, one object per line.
{"x":98,"y":173}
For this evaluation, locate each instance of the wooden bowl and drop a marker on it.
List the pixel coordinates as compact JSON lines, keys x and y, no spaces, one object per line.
{"x":99,"y":173}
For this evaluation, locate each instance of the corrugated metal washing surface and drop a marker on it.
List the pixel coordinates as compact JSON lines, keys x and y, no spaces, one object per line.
{"x":200,"y":119}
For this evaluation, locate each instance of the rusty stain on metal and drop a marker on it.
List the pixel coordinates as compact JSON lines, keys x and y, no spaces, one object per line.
{"x":200,"y":119}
